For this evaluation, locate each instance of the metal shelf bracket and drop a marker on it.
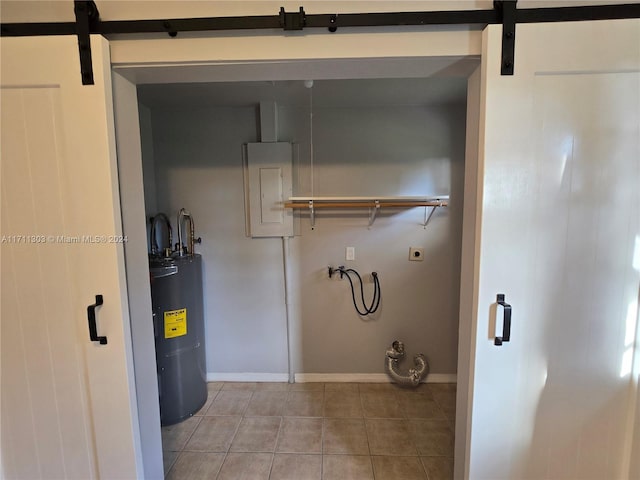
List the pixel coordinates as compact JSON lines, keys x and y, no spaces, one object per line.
{"x":431,"y":212}
{"x":373,"y":212}
{"x":312,"y":215}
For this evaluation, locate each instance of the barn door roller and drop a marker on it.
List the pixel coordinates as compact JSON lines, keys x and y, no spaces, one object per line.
{"x":507,"y":11}
{"x":87,"y":18}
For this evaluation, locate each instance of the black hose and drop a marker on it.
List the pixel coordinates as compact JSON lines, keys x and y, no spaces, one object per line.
{"x":377,"y":292}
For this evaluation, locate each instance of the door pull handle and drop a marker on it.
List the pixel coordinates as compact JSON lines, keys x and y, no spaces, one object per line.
{"x":91,"y":314}
{"x":506,"y":321}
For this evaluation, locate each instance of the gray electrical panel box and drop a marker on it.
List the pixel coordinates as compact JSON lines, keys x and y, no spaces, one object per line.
{"x":269,"y":185}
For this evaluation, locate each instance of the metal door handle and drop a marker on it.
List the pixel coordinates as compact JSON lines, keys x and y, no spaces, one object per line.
{"x":506,"y":321}
{"x":91,"y":314}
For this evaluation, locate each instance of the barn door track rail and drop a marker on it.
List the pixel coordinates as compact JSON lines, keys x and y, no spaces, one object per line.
{"x":504,"y":12}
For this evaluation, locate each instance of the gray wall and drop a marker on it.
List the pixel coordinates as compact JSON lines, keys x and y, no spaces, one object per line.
{"x":403,"y":150}
{"x":198,"y":156}
{"x":148,"y":164}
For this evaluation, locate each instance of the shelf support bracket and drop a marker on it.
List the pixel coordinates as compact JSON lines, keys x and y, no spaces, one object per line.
{"x":431,"y":212}
{"x":373,"y":212}
{"x":312,"y":214}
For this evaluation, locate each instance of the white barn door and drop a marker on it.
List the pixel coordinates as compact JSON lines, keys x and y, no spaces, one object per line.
{"x":560,"y":238}
{"x":67,"y":402}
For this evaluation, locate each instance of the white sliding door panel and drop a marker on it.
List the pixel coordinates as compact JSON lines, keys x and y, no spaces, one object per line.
{"x":66,"y":401}
{"x":587,"y":149}
{"x":560,"y":173}
{"x":26,"y":300}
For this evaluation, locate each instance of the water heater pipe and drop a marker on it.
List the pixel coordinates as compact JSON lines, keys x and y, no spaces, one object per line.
{"x":155,"y":249}
{"x":181,"y":217}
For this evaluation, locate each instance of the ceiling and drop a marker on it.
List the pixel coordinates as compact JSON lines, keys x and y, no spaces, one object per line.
{"x":294,"y":93}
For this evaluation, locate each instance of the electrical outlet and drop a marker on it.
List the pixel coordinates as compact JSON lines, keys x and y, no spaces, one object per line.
{"x":350,"y":253}
{"x":416,"y":254}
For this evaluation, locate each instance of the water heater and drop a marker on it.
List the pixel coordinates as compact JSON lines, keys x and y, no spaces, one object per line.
{"x":178,"y":313}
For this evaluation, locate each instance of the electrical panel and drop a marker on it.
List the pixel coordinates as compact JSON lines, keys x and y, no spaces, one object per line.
{"x":269,"y":185}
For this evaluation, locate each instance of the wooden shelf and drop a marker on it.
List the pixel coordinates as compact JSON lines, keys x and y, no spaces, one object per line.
{"x":361,"y":202}
{"x":374,"y":204}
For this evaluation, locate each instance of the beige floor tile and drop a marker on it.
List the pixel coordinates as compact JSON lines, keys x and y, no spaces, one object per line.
{"x":438,"y":468}
{"x":246,"y":466}
{"x":304,"y":404}
{"x":345,"y":436}
{"x":288,"y":466}
{"x":442,"y":387}
{"x":389,"y":437}
{"x":214,"y":434}
{"x":446,"y":400}
{"x":381,"y":405}
{"x":168,"y":459}
{"x":266,"y":404}
{"x":205,"y":407}
{"x":420,"y":406}
{"x":342,"y":387}
{"x":377,"y":387}
{"x":347,"y":467}
{"x":272,"y":387}
{"x":396,"y":468}
{"x":239,"y":386}
{"x":174,"y":437}
{"x":212,"y":391}
{"x":368,"y":429}
{"x":256,"y":434}
{"x":451,"y":418}
{"x":300,"y":435}
{"x":397,"y":388}
{"x":420,"y":388}
{"x":307,"y":387}
{"x":230,"y":403}
{"x":342,"y":404}
{"x":213,"y":387}
{"x":196,"y":466}
{"x":432,"y":437}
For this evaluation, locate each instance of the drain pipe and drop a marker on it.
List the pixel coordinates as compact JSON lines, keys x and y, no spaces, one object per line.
{"x":396,"y":353}
{"x":287,"y":304}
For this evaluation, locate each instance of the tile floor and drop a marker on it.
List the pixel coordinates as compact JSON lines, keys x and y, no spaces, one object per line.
{"x":315,"y":431}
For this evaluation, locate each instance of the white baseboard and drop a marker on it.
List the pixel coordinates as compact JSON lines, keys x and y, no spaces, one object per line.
{"x":322,"y":377}
{"x":247,"y":377}
{"x":367,"y":378}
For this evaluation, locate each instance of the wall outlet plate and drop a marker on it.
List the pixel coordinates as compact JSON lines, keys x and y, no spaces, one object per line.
{"x":416,"y":254}
{"x":350,"y":253}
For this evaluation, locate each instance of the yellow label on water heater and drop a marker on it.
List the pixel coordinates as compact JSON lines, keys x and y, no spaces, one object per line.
{"x":175,"y":323}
